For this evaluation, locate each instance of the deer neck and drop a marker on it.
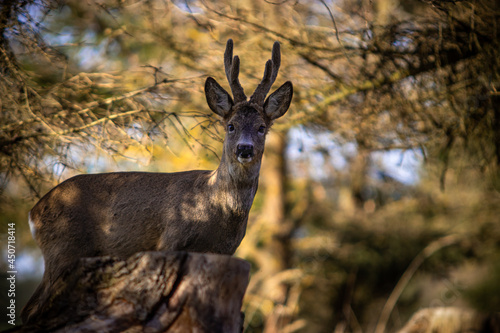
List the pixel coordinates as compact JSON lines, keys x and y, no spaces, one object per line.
{"x":237,"y":183}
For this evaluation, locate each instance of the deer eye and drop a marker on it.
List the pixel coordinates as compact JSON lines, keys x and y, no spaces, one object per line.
{"x":230,"y":128}
{"x":262,"y":129}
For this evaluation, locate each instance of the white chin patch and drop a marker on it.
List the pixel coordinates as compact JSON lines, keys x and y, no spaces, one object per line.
{"x":244,"y":160}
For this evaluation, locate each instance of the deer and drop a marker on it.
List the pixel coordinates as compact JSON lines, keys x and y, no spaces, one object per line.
{"x":121,"y":213}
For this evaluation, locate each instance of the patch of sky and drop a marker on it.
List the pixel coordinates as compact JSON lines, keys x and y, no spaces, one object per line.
{"x":39,"y":18}
{"x":29,"y":264}
{"x":35,"y":13}
{"x":55,"y":165}
{"x":136,"y":132}
{"x":317,"y":150}
{"x":320,"y":151}
{"x":98,"y":164}
{"x":403,"y":43}
{"x":76,"y":155}
{"x":188,"y":6}
{"x":398,"y":164}
{"x":368,"y":34}
{"x":91,"y":55}
{"x":63,"y":37}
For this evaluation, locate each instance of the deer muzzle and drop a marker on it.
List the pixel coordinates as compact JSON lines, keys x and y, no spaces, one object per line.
{"x":244,"y":153}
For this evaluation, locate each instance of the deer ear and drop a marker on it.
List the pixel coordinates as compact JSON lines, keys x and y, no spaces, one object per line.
{"x":278,"y":102}
{"x":218,"y":99}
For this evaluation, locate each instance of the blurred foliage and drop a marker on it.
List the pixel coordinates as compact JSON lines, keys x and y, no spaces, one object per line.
{"x":486,"y":294}
{"x":90,"y":86}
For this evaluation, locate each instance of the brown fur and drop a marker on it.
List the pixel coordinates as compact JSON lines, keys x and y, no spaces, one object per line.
{"x":121,"y":213}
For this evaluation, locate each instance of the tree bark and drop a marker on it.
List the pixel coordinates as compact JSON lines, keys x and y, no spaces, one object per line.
{"x":281,"y":228}
{"x":149,"y":292}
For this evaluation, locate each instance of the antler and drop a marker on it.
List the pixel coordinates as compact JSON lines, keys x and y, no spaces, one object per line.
{"x":232,"y":68}
{"x":270,"y":74}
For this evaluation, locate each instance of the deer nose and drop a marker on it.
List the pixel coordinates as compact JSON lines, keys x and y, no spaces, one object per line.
{"x":244,"y":152}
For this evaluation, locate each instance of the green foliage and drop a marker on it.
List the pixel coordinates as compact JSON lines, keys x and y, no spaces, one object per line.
{"x":485,"y":295}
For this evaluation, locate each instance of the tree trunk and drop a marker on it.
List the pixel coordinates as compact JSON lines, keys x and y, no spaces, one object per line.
{"x":149,"y":292}
{"x":281,"y":227}
{"x":274,"y":207}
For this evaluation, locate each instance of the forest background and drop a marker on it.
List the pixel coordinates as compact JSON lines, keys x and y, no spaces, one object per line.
{"x":379,"y":191}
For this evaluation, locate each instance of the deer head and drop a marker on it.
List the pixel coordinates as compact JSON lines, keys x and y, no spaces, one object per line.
{"x":248,"y":121}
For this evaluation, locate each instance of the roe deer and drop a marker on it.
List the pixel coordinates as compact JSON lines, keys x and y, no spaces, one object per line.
{"x":121,"y":213}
